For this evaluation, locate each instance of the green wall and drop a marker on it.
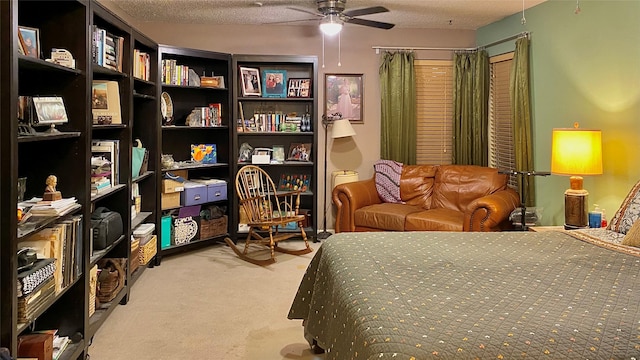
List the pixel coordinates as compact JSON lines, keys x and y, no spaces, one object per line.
{"x":584,"y":67}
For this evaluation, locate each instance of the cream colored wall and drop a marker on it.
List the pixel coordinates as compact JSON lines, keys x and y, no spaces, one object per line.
{"x":356,"y":55}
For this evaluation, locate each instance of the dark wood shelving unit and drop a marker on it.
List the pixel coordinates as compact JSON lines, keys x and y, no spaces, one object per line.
{"x":67,"y":154}
{"x":176,"y":139}
{"x":296,"y":67}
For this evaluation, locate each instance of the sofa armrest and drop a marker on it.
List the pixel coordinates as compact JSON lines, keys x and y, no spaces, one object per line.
{"x":491,"y":212}
{"x":349,"y":197}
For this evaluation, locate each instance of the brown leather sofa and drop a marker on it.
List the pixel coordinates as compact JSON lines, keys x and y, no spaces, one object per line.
{"x":435,"y":198}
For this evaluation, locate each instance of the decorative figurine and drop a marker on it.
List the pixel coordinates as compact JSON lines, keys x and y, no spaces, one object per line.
{"x":50,"y":192}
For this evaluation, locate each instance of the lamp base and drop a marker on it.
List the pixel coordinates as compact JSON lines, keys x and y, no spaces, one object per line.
{"x":322,"y":235}
{"x":576,"y":209}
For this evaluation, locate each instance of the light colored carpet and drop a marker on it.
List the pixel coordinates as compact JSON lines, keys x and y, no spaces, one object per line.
{"x":209,"y":304}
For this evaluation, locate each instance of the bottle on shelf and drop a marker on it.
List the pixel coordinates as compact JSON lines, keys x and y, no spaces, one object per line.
{"x":603,"y":221}
{"x":595,"y":217}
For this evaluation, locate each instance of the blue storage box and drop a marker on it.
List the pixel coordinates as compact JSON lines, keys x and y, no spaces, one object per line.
{"x":194,"y":194}
{"x":216,"y":189}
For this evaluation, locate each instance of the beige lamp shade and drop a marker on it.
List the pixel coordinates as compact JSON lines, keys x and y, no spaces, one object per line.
{"x":342,"y":128}
{"x":576,"y":152}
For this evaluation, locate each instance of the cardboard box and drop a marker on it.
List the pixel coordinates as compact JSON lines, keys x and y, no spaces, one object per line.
{"x":216,"y":189}
{"x":38,"y":345}
{"x":171,"y":186}
{"x":170,"y":200}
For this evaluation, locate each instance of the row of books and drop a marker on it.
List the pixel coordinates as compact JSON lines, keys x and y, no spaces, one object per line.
{"x":62,"y":242}
{"x":107,"y":49}
{"x":141,"y":65}
{"x":275,"y":121}
{"x":53,"y":207}
{"x":174,"y":74}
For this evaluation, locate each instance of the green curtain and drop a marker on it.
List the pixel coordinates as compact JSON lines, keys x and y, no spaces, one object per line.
{"x":521,"y":112}
{"x":470,"y":108}
{"x":398,"y":107}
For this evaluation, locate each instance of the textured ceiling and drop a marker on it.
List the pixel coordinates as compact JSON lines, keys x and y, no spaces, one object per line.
{"x":454,"y":14}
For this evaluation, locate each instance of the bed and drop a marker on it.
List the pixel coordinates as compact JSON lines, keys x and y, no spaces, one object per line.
{"x":424,"y":295}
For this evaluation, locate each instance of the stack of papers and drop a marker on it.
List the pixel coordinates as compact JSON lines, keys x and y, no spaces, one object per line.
{"x":53,"y":208}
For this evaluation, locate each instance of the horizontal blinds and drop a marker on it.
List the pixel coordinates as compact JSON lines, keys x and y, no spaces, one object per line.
{"x":434,"y":81}
{"x":501,"y":148}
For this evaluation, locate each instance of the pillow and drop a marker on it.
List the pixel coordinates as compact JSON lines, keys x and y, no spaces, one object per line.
{"x":633,"y":235}
{"x":387,"y":178}
{"x":628,"y":212}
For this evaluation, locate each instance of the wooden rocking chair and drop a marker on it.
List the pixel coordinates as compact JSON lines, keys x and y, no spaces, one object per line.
{"x":268,"y":212}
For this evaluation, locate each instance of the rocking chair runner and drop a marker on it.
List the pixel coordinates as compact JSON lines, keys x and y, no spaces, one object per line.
{"x":268,"y":211}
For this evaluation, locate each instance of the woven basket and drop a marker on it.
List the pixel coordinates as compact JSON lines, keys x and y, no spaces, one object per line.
{"x":213,"y":227}
{"x":148,"y":250}
{"x":134,"y":261}
{"x":111,"y":278}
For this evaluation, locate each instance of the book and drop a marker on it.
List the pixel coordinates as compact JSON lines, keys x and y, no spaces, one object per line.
{"x":105,"y":102}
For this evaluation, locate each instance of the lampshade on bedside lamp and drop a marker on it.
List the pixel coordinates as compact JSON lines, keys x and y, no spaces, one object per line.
{"x":576,"y":152}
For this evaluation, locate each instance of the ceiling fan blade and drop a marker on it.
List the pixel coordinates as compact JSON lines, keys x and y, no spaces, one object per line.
{"x":286,"y":21}
{"x":371,"y":23}
{"x":365,"y":11}
{"x":306,"y":11}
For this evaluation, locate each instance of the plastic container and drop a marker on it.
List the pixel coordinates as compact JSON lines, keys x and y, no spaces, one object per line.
{"x":144,"y":232}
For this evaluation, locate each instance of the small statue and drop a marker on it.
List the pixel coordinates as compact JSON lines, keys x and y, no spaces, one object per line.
{"x":50,"y":192}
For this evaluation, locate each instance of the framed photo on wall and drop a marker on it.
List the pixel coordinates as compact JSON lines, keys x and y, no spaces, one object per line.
{"x":343,"y":94}
{"x":250,"y":81}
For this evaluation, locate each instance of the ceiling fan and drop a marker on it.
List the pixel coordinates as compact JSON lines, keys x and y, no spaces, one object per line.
{"x":333,"y":15}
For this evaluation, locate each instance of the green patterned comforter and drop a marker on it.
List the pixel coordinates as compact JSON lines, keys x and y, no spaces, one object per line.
{"x":419,"y":295}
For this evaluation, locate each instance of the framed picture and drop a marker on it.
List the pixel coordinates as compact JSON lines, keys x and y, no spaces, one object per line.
{"x":50,"y":110}
{"x":299,"y":88}
{"x":278,"y":153}
{"x":30,"y":41}
{"x":250,"y":81}
{"x":343,"y":94}
{"x":299,"y":152}
{"x":273,"y":83}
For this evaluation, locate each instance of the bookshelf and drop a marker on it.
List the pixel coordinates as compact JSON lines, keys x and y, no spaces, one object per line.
{"x":67,"y":154}
{"x":266,"y":131}
{"x":183,"y":96}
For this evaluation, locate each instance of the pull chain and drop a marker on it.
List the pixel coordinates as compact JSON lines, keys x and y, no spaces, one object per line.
{"x":339,"y":47}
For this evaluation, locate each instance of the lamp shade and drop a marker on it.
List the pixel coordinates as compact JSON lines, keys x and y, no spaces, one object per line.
{"x":576,"y":152}
{"x":342,"y":128}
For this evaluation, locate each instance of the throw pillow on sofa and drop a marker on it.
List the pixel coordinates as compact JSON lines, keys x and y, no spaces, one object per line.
{"x":387,"y":178}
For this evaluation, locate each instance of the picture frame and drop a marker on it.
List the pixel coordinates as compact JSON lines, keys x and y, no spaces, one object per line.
{"x":299,"y":88}
{"x":50,"y":110}
{"x":299,"y":152}
{"x":250,"y":78}
{"x":344,"y":94}
{"x":30,"y":40}
{"x":278,"y":153}
{"x":274,"y":83}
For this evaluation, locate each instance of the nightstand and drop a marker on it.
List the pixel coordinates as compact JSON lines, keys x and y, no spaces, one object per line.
{"x":546,"y":228}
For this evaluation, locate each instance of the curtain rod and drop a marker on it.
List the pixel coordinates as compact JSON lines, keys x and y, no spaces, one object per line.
{"x":515,"y":36}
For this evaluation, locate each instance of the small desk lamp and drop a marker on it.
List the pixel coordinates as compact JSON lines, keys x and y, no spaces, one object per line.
{"x":576,"y":152}
{"x":341,"y":128}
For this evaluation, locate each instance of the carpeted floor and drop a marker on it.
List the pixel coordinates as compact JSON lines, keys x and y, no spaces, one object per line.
{"x":209,"y":304}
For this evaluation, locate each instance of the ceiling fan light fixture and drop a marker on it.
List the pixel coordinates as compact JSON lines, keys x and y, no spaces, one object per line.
{"x":331,"y":25}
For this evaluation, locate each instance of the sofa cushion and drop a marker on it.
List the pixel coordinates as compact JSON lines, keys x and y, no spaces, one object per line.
{"x":416,"y":185}
{"x":632,"y":238}
{"x":384,"y":216}
{"x":456,"y":186}
{"x":628,"y":212}
{"x":387,"y":174}
{"x":435,"y":220}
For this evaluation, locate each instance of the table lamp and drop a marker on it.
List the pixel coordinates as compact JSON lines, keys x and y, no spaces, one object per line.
{"x":576,"y":152}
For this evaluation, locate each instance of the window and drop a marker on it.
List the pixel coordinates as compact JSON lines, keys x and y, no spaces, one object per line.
{"x":501,"y":147}
{"x":434,"y":106}
{"x":434,"y":93}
